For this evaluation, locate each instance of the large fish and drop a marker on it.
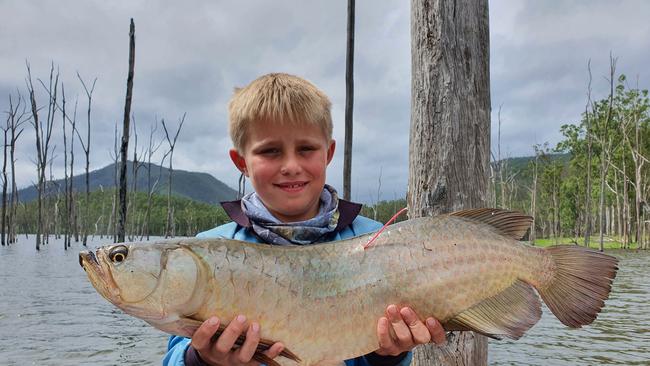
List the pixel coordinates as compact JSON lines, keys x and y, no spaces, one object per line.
{"x":466,"y":269}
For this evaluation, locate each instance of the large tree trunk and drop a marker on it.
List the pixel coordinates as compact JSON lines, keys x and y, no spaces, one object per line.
{"x":450,"y":130}
{"x":125,"y":134}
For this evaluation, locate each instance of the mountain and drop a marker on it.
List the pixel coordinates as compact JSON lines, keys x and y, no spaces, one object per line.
{"x":201,"y":187}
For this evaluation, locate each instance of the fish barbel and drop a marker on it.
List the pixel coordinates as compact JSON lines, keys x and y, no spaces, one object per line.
{"x":466,"y":269}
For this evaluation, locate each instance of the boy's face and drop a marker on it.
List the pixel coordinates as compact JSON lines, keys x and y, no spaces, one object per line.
{"x":286,"y":165}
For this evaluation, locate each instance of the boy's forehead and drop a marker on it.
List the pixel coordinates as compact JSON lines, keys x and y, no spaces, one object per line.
{"x":270,"y":127}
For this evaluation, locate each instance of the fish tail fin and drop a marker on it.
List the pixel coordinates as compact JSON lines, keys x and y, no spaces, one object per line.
{"x":580,"y":284}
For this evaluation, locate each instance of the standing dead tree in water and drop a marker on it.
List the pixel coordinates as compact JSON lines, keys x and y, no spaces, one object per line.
{"x":111,"y":228}
{"x":4,"y":180}
{"x":349,"y":103}
{"x":606,"y":143}
{"x":17,"y":115}
{"x":169,"y":230}
{"x":125,"y":134}
{"x":150,"y":187}
{"x":86,"y":148}
{"x":43,"y":131}
{"x":449,"y":150}
{"x":136,"y":164}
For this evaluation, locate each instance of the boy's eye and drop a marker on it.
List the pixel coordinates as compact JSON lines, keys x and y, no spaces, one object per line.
{"x":307,"y":148}
{"x":269,"y":151}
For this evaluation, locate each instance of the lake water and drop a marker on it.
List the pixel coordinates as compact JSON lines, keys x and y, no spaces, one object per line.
{"x":51,"y":315}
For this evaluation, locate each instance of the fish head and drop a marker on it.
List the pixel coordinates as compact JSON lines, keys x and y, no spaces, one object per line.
{"x":157,"y":283}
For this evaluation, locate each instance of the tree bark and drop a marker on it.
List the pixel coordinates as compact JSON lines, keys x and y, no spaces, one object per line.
{"x":450,"y":130}
{"x":349,"y":103}
{"x":125,"y":134}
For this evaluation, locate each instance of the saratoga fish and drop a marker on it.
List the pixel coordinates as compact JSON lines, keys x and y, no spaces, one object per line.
{"x":466,"y":269}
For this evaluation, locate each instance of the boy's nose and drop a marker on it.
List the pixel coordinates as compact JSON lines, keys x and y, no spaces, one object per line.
{"x":290,"y":166}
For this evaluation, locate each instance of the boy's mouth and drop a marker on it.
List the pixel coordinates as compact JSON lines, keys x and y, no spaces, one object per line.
{"x":292,"y":186}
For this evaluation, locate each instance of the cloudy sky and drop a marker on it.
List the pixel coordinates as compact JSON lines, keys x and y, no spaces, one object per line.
{"x":191,"y":54}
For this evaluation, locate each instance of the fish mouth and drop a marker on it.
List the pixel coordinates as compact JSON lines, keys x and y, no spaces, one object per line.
{"x":87,"y":257}
{"x":99,"y":276}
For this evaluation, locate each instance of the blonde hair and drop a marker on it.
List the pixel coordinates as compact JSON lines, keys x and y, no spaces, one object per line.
{"x":277,"y":98}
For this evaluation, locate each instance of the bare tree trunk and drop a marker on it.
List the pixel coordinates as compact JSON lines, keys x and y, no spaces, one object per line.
{"x":449,"y":150}
{"x":16,"y":118}
{"x":169,"y":229}
{"x":43,"y":135}
{"x":5,"y":183}
{"x":125,"y":134}
{"x":86,"y":148}
{"x":349,"y":103}
{"x":588,"y":193}
{"x":605,"y":140}
{"x":626,"y":210}
{"x":66,"y":213}
{"x":533,"y":201}
{"x":72,"y":210}
{"x":150,"y":188}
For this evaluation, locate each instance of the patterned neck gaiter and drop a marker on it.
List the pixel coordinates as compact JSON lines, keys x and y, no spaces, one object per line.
{"x":311,"y":231}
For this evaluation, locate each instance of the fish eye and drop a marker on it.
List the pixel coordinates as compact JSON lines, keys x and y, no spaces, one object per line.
{"x":118,"y":254}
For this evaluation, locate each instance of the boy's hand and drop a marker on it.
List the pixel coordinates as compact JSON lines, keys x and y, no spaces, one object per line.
{"x":407,"y":331}
{"x":221,"y":352}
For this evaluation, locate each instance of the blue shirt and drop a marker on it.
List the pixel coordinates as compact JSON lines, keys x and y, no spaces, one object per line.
{"x":177,"y":345}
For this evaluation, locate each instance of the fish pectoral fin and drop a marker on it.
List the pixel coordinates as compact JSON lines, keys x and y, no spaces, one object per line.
{"x":262,"y":346}
{"x":510,"y":223}
{"x":509,"y":313}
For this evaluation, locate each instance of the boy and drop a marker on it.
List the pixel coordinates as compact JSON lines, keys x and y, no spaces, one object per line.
{"x":281,"y":130}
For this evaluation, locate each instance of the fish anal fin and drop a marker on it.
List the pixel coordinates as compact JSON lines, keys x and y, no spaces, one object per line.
{"x":509,"y":313}
{"x":510,"y":223}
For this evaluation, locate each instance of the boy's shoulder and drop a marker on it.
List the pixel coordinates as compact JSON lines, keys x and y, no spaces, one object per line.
{"x":222,"y":231}
{"x":361,"y":225}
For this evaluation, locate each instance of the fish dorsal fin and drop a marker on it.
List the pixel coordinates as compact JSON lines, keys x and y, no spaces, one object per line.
{"x":509,"y":313}
{"x":510,"y":223}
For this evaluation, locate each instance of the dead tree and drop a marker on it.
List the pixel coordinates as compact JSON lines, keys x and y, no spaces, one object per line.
{"x":589,"y":139}
{"x":72,"y":210}
{"x":5,"y":181}
{"x":125,"y":134}
{"x":17,"y":116}
{"x":150,"y":187}
{"x":605,"y":142}
{"x":43,"y":135}
{"x":66,"y":212}
{"x":449,"y":150}
{"x":86,"y":148}
{"x":172,"y":143}
{"x":349,"y":103}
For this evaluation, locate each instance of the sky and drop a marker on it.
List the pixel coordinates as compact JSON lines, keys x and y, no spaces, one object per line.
{"x":190,"y":56}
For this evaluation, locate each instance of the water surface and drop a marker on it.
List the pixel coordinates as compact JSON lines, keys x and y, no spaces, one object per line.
{"x":51,"y":315}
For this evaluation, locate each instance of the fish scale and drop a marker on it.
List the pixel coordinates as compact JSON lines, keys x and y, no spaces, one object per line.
{"x":466,"y":269}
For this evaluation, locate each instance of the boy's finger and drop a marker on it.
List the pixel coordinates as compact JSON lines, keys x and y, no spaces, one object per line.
{"x":227,"y":339}
{"x":419,"y":331}
{"x":437,"y":331}
{"x":250,"y":343}
{"x":201,"y":338}
{"x":402,"y":331}
{"x":274,"y":350}
{"x":386,"y":342}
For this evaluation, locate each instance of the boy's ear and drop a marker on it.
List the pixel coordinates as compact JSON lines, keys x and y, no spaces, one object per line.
{"x":330,"y":150}
{"x":239,"y":161}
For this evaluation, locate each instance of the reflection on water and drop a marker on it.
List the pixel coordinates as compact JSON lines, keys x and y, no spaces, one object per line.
{"x":51,"y":315}
{"x":620,"y":335}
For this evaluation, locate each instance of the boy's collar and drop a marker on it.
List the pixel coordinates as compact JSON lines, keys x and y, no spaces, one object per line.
{"x":348,"y":211}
